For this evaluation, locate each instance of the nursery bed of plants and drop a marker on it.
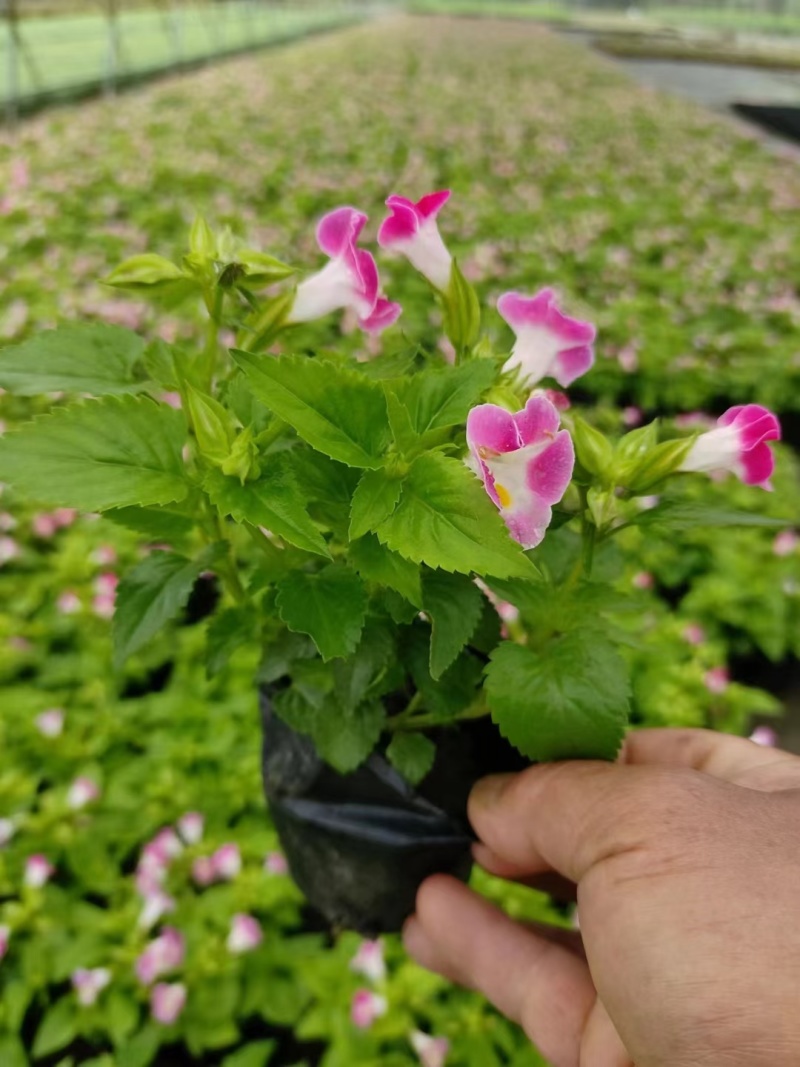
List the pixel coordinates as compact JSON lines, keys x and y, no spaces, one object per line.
{"x":662,"y":224}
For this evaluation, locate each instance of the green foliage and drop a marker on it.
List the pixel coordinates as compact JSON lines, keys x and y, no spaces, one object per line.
{"x":373,"y":501}
{"x":412,"y":755}
{"x":329,"y":606}
{"x":455,"y":605}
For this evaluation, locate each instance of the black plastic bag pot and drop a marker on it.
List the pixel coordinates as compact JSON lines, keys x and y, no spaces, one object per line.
{"x":359,"y":845}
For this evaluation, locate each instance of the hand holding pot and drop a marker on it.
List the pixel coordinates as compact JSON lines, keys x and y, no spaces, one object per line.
{"x":686,"y":861}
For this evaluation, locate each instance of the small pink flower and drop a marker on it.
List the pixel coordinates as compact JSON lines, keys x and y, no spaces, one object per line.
{"x":7,"y":522}
{"x":5,"y":937}
{"x":716,"y":680}
{"x":350,"y":279}
{"x":549,"y":344}
{"x":167,"y":1001}
{"x":167,"y":844}
{"x":164,"y":954}
{"x":203,"y":871}
{"x":38,"y":871}
{"x":50,"y":723}
{"x":82,"y":792}
{"x":432,"y":1051}
{"x":785,"y":543}
{"x":156,"y":905}
{"x":369,"y":962}
{"x":275,"y":863}
{"x":632,"y":416}
{"x":557,"y":398}
{"x":694,"y":634}
{"x":69,"y":603}
{"x":525,"y":462}
{"x":44,"y":525}
{"x":105,"y":584}
{"x":9,"y":549}
{"x":694,"y":420}
{"x":764,"y":735}
{"x":7,"y":831}
{"x":366,"y":1007}
{"x":104,"y":607}
{"x":65,"y":517}
{"x":190,"y":827}
{"x":245,"y":934}
{"x":104,"y":556}
{"x":411,"y":229}
{"x":89,"y":984}
{"x":628,"y":358}
{"x":738,"y":444}
{"x":172,"y":400}
{"x":227,"y":861}
{"x":643,"y":580}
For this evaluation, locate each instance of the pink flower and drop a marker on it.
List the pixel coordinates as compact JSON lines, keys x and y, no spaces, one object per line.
{"x":738,"y":443}
{"x":557,"y":398}
{"x":716,"y":680}
{"x":203,"y":872}
{"x":369,"y":961}
{"x":89,"y":984}
{"x":764,"y":735}
{"x":643,"y":580}
{"x":9,"y":549}
{"x":167,"y":1001}
{"x":632,"y":416}
{"x":785,"y":543}
{"x":275,"y":863}
{"x":164,"y":954}
{"x":227,"y":861}
{"x":190,"y":827}
{"x":104,"y":606}
{"x":694,"y":634}
{"x":38,"y":871}
{"x":350,"y":279}
{"x":105,"y":584}
{"x":549,"y":344}
{"x":50,"y":723}
{"x":7,"y":522}
{"x":157,"y":904}
{"x":44,"y":525}
{"x":432,"y":1051}
{"x":7,"y":831}
{"x":172,"y":400}
{"x":69,"y":603}
{"x":245,"y":934}
{"x":412,"y":230}
{"x":65,"y":517}
{"x":5,"y":937}
{"x":366,"y":1007}
{"x":525,"y":462}
{"x":82,"y":792}
{"x":166,"y":844}
{"x":104,"y":556}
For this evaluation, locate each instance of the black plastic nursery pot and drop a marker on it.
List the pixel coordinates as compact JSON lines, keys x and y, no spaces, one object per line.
{"x":360,"y":845}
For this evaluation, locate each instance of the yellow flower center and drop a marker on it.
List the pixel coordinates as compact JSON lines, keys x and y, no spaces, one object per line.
{"x":503,"y":495}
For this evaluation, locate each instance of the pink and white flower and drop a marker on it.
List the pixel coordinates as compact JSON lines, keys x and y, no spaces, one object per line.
{"x":764,"y":735}
{"x":349,"y":280}
{"x":166,"y":845}
{"x":785,"y":543}
{"x":104,"y":556}
{"x":5,"y":937}
{"x":164,"y":954}
{"x":549,"y":344}
{"x":167,"y":1001}
{"x":89,"y":984}
{"x":275,"y":863}
{"x":203,"y":872}
{"x":69,"y":603}
{"x":432,"y":1051}
{"x":738,"y":443}
{"x":9,"y":549}
{"x":245,"y":934}
{"x":227,"y":861}
{"x":44,"y":525}
{"x":694,"y":634}
{"x":38,"y":871}
{"x":82,"y":792}
{"x":190,"y":827}
{"x":157,"y":904}
{"x":366,"y":1007}
{"x":369,"y":962}
{"x":525,"y":462}
{"x":411,"y":229}
{"x":643,"y":580}
{"x":716,"y":680}
{"x":50,"y":723}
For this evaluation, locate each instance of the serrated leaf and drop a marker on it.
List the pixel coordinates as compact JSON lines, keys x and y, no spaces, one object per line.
{"x":57,"y":1028}
{"x":436,"y":399}
{"x":355,"y":676}
{"x":458,"y":687}
{"x":345,"y":740}
{"x":83,"y":358}
{"x":109,"y":453}
{"x":454,"y":604}
{"x":151,"y":594}
{"x":329,"y":606}
{"x":156,"y":524}
{"x":377,"y":563}
{"x":684,"y":515}
{"x":445,"y":519}
{"x":412,"y":755}
{"x":569,"y":700}
{"x":227,"y":632}
{"x":336,"y":410}
{"x":273,"y":501}
{"x":374,"y":500}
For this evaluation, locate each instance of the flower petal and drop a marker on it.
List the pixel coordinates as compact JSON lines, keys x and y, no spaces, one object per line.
{"x":383,"y":315}
{"x":429,"y":206}
{"x":757,"y":465}
{"x":550,"y":472}
{"x":401,"y":225}
{"x":538,"y":421}
{"x":572,"y":363}
{"x":492,"y":427}
{"x":339,"y":229}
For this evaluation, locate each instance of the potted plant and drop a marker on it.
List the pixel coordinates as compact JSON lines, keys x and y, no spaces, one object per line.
{"x":418,"y":542}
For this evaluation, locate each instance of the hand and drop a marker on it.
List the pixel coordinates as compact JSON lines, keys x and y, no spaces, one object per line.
{"x":686,"y":859}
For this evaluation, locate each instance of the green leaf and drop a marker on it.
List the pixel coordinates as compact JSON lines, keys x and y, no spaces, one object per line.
{"x":445,"y":519}
{"x":455,"y":605}
{"x":274,"y":501}
{"x":141,"y":1050}
{"x":355,"y":676}
{"x":462,"y":311}
{"x":436,"y":399}
{"x":155,"y":524}
{"x":412,"y":755}
{"x":346,"y":739}
{"x":374,"y":500}
{"x":377,"y":563}
{"x":329,"y":606}
{"x":108,"y":453}
{"x":334,"y":409}
{"x":202,"y":241}
{"x":85,"y":358}
{"x":145,"y":271}
{"x":57,"y":1029}
{"x":569,"y":700}
{"x":685,"y":515}
{"x":254,"y":1054}
{"x":12,"y":1052}
{"x":151,"y":594}
{"x":120,"y":1014}
{"x":227,"y":632}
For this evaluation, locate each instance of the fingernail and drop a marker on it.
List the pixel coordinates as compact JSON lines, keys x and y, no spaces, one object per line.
{"x":488,"y":792}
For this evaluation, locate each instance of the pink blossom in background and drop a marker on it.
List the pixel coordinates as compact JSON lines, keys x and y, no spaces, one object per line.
{"x":44,"y":525}
{"x":628,"y":358}
{"x":164,"y":954}
{"x":716,"y":680}
{"x":38,"y":871}
{"x":20,"y":175}
{"x":5,"y":937}
{"x":694,"y":420}
{"x":50,"y":723}
{"x":69,"y":603}
{"x":432,"y":1051}
{"x":275,"y":863}
{"x":227,"y":862}
{"x":245,"y":934}
{"x":105,"y":598}
{"x":65,"y":517}
{"x":7,"y":522}
{"x":9,"y":549}
{"x":7,"y":831}
{"x":556,"y":397}
{"x":412,"y":230}
{"x":104,"y":556}
{"x":643,"y":580}
{"x":369,"y":961}
{"x":785,"y":543}
{"x":525,"y":462}
{"x":171,"y":399}
{"x":632,"y":416}
{"x":764,"y":735}
{"x":203,"y":872}
{"x":156,"y":905}
{"x":82,"y":792}
{"x":694,"y":634}
{"x":16,"y":318}
{"x":89,"y":984}
{"x":167,"y":1001}
{"x":366,"y":1007}
{"x":739,"y":444}
{"x":190,"y":827}
{"x":167,"y":844}
{"x":549,"y":344}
